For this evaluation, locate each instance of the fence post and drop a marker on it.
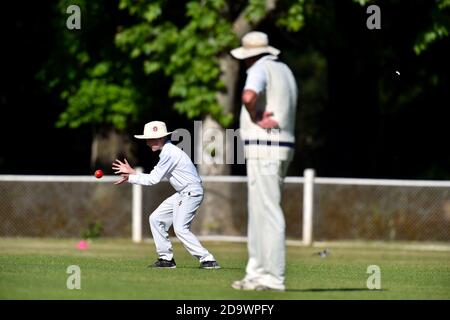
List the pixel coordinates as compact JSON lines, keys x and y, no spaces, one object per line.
{"x":308,"y":201}
{"x":136,"y":211}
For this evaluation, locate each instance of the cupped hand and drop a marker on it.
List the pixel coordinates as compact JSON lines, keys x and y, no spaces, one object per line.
{"x":122,"y":168}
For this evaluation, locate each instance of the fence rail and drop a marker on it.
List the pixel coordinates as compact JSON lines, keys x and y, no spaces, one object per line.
{"x":316,"y":208}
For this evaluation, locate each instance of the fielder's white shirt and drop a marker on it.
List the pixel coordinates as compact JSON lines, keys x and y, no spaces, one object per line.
{"x":257,"y":76}
{"x":173,"y":164}
{"x":276,"y":87}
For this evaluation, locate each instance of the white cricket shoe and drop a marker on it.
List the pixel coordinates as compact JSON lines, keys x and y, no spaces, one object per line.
{"x":253,"y":285}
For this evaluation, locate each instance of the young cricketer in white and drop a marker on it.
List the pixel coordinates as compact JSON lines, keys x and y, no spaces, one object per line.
{"x":181,"y":207}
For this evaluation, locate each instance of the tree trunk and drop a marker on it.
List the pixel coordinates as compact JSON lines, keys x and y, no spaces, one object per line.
{"x":218,"y":203}
{"x":109,"y":144}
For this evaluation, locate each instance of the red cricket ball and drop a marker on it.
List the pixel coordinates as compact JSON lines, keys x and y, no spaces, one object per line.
{"x":98,"y":174}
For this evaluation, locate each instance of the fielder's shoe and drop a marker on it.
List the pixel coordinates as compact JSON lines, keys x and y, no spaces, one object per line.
{"x":252,"y":285}
{"x":209,"y":265}
{"x":161,"y":263}
{"x":244,"y":285}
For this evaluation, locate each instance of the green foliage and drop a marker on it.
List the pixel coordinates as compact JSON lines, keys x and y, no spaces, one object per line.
{"x":96,"y":91}
{"x":439,"y":28}
{"x":93,"y":230}
{"x":255,"y":10}
{"x":189,"y":54}
{"x":426,"y":38}
{"x":183,"y":44}
{"x":294,"y":19}
{"x":436,"y":32}
{"x":98,"y":102}
{"x":363,"y":2}
{"x":443,"y":4}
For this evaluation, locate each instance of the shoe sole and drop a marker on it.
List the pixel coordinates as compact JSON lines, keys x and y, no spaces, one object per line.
{"x":153,"y":267}
{"x":210,"y":267}
{"x":239,"y":286}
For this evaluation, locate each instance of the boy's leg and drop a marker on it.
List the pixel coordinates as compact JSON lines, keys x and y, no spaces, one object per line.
{"x":160,"y":221}
{"x":184,"y":211}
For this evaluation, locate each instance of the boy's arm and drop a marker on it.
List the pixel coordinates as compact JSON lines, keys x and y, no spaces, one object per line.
{"x":164,"y":166}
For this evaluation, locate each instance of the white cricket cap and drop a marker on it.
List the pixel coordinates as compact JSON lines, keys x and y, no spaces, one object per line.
{"x":254,"y":43}
{"x":154,"y":130}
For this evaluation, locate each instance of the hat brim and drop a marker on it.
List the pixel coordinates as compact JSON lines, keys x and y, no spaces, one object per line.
{"x":153,"y":136}
{"x":242,"y":53}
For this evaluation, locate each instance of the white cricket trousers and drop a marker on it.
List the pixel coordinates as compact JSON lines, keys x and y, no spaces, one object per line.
{"x":179,"y":210}
{"x":266,"y":224}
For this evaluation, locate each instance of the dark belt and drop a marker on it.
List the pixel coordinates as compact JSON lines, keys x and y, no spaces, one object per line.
{"x":270,"y":143}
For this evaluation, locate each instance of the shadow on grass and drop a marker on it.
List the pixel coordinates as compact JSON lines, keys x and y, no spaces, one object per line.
{"x":333,"y":290}
{"x":197,"y":268}
{"x":221,"y":268}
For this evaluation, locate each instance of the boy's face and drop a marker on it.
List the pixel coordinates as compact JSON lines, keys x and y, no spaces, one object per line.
{"x":156,"y":144}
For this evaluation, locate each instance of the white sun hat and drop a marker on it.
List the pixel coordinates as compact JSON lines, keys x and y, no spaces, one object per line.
{"x":154,"y":130}
{"x":254,"y":43}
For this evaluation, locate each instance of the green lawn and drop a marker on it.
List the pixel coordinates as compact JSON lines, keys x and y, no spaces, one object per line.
{"x":116,"y":269}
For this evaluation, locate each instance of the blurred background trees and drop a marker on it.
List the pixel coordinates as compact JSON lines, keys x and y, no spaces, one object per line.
{"x":73,"y":98}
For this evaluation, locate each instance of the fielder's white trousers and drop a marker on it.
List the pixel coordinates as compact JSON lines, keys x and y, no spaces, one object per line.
{"x":179,"y":210}
{"x":266,"y":224}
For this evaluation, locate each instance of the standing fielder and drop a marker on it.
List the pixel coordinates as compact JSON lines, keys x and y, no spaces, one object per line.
{"x":267,"y":123}
{"x":180,"y":208}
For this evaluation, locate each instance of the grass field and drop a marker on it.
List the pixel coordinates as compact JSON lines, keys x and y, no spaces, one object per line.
{"x":116,"y":269}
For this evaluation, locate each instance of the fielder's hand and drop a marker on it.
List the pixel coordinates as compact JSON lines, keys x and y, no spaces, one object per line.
{"x":122,"y":168}
{"x":267,"y":122}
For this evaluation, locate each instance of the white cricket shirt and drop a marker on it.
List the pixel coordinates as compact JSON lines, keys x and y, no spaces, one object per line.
{"x":175,"y":165}
{"x":276,"y":87}
{"x":257,"y":75}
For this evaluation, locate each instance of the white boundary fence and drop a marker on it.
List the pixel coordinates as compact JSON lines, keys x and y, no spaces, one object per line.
{"x":309,"y":181}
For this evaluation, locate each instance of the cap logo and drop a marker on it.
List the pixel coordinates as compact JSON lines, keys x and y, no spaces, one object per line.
{"x":155,"y":129}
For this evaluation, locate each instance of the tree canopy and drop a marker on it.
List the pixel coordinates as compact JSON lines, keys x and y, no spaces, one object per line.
{"x":182,"y":43}
{"x":132,"y":59}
